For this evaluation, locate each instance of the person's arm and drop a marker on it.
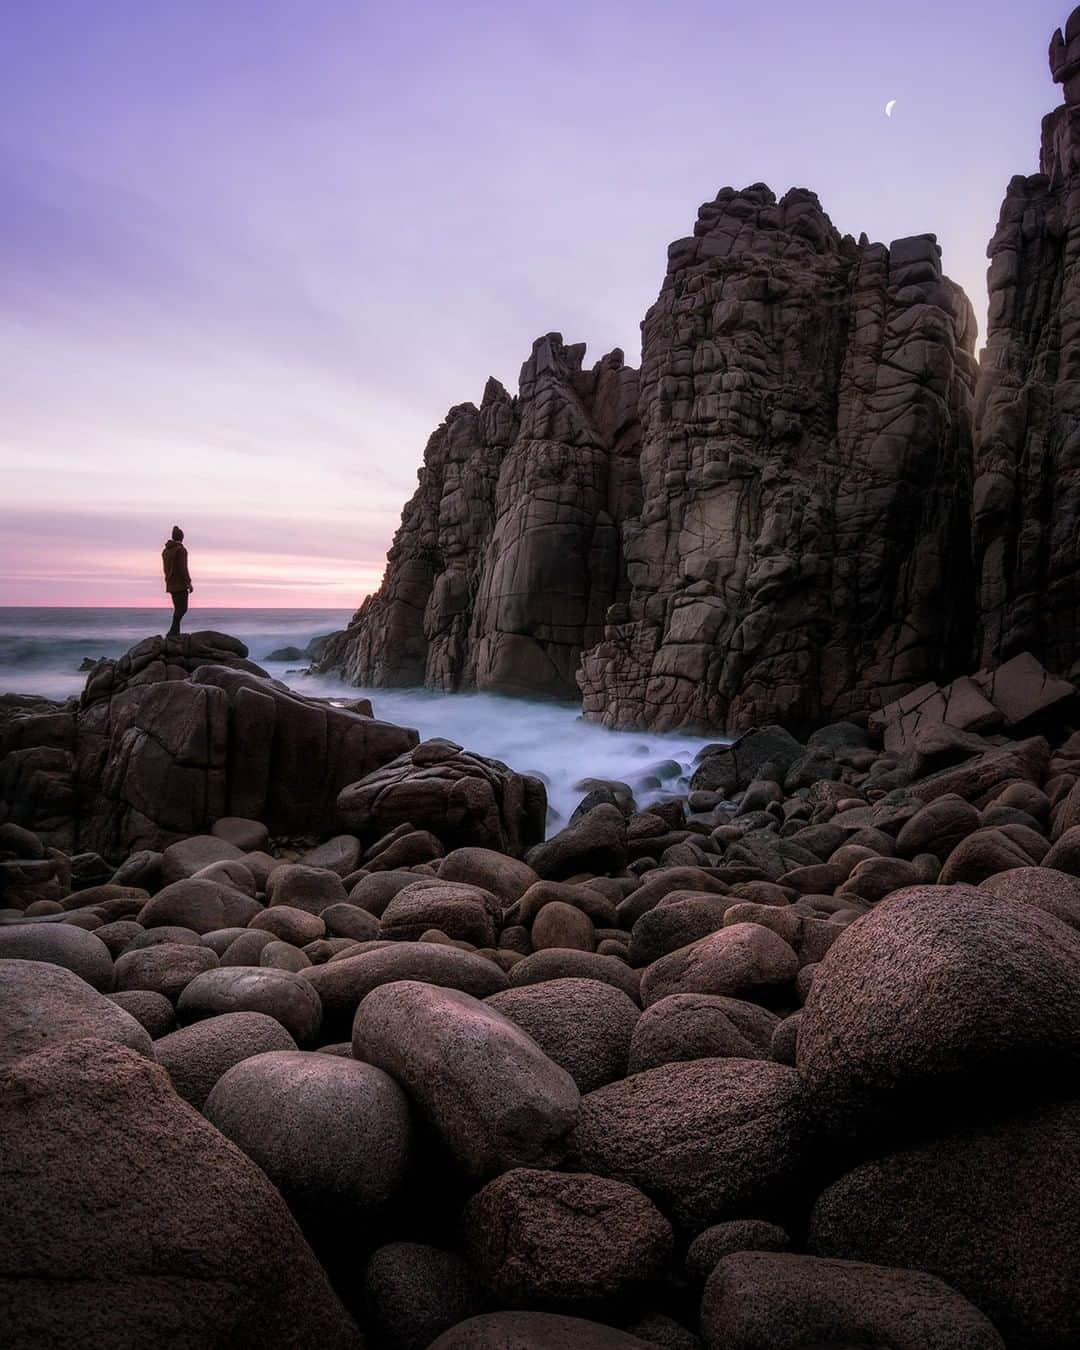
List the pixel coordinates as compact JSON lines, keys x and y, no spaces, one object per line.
{"x":187,"y":573}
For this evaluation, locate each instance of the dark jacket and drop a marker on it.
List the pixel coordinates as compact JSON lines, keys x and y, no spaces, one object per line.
{"x":174,"y":560}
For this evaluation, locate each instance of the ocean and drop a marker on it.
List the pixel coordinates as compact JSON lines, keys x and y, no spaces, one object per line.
{"x":41,"y":651}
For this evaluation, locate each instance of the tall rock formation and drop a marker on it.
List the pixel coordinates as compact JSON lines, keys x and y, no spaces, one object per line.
{"x":508,"y":555}
{"x":805,"y":465}
{"x":1027,"y":488}
{"x":761,"y":528}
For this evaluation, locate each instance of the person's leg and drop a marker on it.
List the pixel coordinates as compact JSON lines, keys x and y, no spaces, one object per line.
{"x":179,"y":600}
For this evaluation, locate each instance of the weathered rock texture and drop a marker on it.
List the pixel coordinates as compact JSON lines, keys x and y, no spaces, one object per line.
{"x":174,"y":735}
{"x":1027,"y":488}
{"x":759,"y":527}
{"x":508,"y":555}
{"x":804,"y":409}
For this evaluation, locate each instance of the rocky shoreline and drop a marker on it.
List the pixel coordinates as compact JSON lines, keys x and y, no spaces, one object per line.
{"x":788,"y":1059}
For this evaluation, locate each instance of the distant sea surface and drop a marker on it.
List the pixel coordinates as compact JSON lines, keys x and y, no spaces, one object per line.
{"x":41,"y":651}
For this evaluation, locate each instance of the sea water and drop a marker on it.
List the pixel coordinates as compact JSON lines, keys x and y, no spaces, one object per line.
{"x":41,"y":651}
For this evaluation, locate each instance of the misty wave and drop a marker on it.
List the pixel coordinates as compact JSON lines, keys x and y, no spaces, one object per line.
{"x":551,"y":740}
{"x":41,"y":651}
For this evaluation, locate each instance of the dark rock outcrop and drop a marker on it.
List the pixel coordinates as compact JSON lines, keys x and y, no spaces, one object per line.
{"x":760,"y":530}
{"x":508,"y":554}
{"x":1027,"y":485}
{"x":173,"y":736}
{"x":805,"y":460}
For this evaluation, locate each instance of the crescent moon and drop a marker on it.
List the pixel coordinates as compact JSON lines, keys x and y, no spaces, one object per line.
{"x":889,"y":107}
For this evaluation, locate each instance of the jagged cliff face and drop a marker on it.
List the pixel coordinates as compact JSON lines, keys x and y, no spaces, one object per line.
{"x":758,"y":527}
{"x":805,"y":464}
{"x":415,"y":629}
{"x":509,"y":553}
{"x":1027,"y":489}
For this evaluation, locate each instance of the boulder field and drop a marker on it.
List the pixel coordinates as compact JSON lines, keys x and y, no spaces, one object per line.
{"x":789,"y":1058}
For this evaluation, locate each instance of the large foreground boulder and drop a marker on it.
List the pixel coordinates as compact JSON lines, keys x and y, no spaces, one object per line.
{"x":783,"y":1301}
{"x":708,"y":1139}
{"x":199,"y":1249}
{"x":42,"y":1005}
{"x":942,"y":989}
{"x":488,"y":1090}
{"x":991,"y":1208}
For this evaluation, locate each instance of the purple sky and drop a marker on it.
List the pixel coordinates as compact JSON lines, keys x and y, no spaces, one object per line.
{"x":250,"y":252}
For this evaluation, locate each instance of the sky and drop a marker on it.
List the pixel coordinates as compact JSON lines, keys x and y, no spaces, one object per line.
{"x":251,"y":252}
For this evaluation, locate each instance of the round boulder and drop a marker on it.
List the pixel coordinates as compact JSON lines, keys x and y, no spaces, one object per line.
{"x":341,"y":854}
{"x":559,"y":1240}
{"x":342,"y":983}
{"x":332,"y":1134}
{"x":1046,"y":888}
{"x":743,"y":959}
{"x":350,"y":921}
{"x":991,"y":1208}
{"x":290,"y":925}
{"x":583,"y":1025}
{"x":307,"y":888}
{"x":679,"y":919}
{"x":281,"y":994}
{"x":199,"y":1248}
{"x":150,"y":1010}
{"x":412,"y":1292}
{"x":60,"y":944}
{"x":982,"y":854}
{"x":488,"y":1090}
{"x":191,"y":855}
{"x":563,"y":963}
{"x":534,"y":1331}
{"x":789,"y":1302}
{"x":737,"y":1235}
{"x":700,"y":1026}
{"x":941,"y":989}
{"x":164,"y":969}
{"x":118,"y":934}
{"x":283,"y":956}
{"x":938,"y":827}
{"x":195,"y":1057}
{"x":42,"y":1004}
{"x":194,"y":903}
{"x":679,"y":1133}
{"x":562,"y":925}
{"x":464,"y":913}
{"x":505,"y":877}
{"x":247,"y":835}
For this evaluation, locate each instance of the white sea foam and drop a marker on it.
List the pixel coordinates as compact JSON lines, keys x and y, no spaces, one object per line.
{"x":41,"y":649}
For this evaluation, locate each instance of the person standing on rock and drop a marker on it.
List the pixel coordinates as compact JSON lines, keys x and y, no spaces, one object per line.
{"x":177,"y":577}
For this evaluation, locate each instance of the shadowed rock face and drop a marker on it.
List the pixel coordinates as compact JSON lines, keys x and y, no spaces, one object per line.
{"x":176,"y":734}
{"x":757,"y":527}
{"x":1027,"y":487}
{"x":804,"y":407}
{"x":508,"y":554}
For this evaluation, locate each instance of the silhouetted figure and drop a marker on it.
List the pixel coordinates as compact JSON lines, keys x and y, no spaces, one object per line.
{"x":177,"y":577}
